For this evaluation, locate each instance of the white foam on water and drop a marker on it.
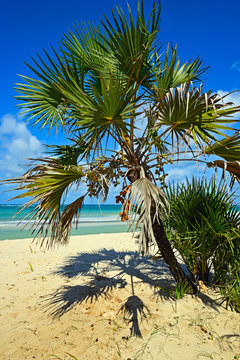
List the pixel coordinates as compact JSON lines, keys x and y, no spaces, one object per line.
{"x":92,"y":220}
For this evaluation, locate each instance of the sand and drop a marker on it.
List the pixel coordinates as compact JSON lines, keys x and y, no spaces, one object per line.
{"x":98,"y":299}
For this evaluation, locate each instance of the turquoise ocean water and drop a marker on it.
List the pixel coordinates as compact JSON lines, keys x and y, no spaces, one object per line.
{"x":93,"y":220}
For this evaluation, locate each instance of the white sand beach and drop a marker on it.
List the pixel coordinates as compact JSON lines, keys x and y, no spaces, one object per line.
{"x":98,"y":299}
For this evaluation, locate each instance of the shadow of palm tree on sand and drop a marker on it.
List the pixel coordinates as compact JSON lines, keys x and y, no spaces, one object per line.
{"x":93,"y":269}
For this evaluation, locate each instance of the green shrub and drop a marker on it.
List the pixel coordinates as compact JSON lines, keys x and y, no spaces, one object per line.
{"x":230,"y":291}
{"x":204,"y":226}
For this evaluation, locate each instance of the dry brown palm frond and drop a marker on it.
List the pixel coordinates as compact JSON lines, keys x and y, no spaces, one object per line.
{"x":147,"y":204}
{"x":104,"y":187}
{"x":233,"y":167}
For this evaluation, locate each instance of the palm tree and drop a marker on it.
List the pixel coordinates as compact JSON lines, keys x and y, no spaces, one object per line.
{"x":98,"y":85}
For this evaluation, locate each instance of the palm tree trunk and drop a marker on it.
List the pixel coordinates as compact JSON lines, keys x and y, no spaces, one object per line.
{"x":164,"y":245}
{"x":167,"y":253}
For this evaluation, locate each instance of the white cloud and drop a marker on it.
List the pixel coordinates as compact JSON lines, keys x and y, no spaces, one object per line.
{"x":179,"y":173}
{"x":16,"y":145}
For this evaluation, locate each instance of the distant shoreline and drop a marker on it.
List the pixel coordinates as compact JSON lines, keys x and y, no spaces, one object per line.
{"x":93,"y":220}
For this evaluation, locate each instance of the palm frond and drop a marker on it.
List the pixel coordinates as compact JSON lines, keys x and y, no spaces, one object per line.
{"x":193,"y":115}
{"x":88,"y":45}
{"x":228,"y":148}
{"x":61,"y":233}
{"x":132,"y":43}
{"x":46,"y":183}
{"x":147,"y":202}
{"x":43,"y":99}
{"x":106,"y":111}
{"x":105,"y":185}
{"x":67,"y":154}
{"x":169,"y":73}
{"x":233,"y":167}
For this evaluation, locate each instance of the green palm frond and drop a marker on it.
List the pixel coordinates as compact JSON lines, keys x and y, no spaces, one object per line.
{"x":66,"y":154}
{"x":228,"y":148}
{"x":88,"y":45}
{"x":46,"y":183}
{"x":43,"y":99}
{"x":132,"y":42}
{"x":191,"y":114}
{"x":170,"y":73}
{"x":144,"y":197}
{"x":106,"y":111}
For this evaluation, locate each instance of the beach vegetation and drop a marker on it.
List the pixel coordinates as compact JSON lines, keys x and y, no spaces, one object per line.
{"x":230,"y":290}
{"x":129,"y":106}
{"x":206,"y":354}
{"x":69,"y":357}
{"x":180,"y":291}
{"x":204,"y":227}
{"x":30,"y":265}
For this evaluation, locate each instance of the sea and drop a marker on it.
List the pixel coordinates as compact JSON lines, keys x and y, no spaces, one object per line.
{"x":94,"y":219}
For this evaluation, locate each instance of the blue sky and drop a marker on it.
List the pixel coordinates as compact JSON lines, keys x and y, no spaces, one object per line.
{"x":207,"y":28}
